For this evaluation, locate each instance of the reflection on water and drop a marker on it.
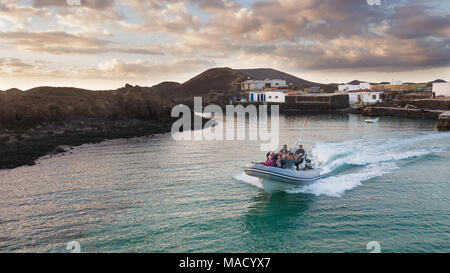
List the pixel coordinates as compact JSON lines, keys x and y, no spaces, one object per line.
{"x":157,"y":195}
{"x":268,"y":216}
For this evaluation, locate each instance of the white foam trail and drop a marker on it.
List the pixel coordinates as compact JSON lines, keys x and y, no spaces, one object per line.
{"x":368,"y":151}
{"x":254,"y":181}
{"x":362,"y":158}
{"x":378,"y":156}
{"x":335,"y":186}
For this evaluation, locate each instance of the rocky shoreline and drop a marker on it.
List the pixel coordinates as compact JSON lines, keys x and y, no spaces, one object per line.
{"x":401,"y":112}
{"x":24,"y":147}
{"x":425,"y":108}
{"x":39,"y":121}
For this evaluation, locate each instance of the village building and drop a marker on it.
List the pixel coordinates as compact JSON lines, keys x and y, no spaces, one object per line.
{"x":395,"y":91}
{"x":276,"y":96}
{"x":441,"y":89}
{"x":361,"y":98}
{"x":272,"y":96}
{"x":313,"y":89}
{"x":257,"y":97}
{"x":360,"y":94}
{"x":399,"y":87}
{"x":353,"y":87}
{"x":260,"y":85}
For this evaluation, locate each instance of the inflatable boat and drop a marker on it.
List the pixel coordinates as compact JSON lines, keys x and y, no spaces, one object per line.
{"x":283,"y":178}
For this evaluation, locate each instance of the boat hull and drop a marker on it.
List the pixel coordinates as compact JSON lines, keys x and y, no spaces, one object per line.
{"x":284,"y":176}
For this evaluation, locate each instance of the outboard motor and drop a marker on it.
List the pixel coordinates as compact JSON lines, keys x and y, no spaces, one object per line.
{"x":308,"y":165}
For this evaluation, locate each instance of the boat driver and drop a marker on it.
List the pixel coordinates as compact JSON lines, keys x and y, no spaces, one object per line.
{"x":284,"y":150}
{"x":299,"y":154}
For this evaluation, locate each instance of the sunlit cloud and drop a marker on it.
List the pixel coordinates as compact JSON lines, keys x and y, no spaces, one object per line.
{"x":134,"y":38}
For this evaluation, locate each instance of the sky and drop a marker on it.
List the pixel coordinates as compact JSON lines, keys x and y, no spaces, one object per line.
{"x":103,"y":44}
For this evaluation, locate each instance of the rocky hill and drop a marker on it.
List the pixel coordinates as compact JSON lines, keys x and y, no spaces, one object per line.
{"x":165,"y":88}
{"x":211,"y":81}
{"x":60,"y":104}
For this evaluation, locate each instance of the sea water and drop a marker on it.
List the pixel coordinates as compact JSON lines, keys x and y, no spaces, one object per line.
{"x":390,"y":183}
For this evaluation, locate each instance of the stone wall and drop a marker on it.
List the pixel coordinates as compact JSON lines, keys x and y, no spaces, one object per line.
{"x":317,"y":102}
{"x":401,"y":112}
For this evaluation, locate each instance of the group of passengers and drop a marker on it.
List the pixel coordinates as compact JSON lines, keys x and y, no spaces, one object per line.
{"x":286,"y":159}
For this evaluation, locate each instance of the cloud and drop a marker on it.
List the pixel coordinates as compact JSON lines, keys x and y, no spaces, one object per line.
{"x":10,"y":66}
{"x":60,"y":42}
{"x":94,"y":4}
{"x":140,"y":68}
{"x":216,"y":5}
{"x":111,"y":69}
{"x":11,"y":11}
{"x":87,"y":17}
{"x":319,"y":35}
{"x":170,"y":16}
{"x":323,"y":35}
{"x":418,"y":21}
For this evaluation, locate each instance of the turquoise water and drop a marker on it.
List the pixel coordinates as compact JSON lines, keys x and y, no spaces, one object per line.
{"x":390,"y":184}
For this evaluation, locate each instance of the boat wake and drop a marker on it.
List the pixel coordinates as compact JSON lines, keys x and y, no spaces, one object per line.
{"x":355,"y":161}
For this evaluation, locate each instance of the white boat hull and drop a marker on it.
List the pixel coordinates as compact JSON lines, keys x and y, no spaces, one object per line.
{"x":279,"y":179}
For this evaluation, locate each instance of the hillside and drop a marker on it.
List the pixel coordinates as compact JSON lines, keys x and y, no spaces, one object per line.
{"x":437,"y":81}
{"x":374,"y":83}
{"x":355,"y":82}
{"x":212,"y":80}
{"x":165,"y":87}
{"x":269,"y":73}
{"x":61,"y":104}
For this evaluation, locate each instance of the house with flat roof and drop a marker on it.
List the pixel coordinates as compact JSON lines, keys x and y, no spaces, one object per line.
{"x":261,"y":85}
{"x":353,"y":87}
{"x":360,"y":98}
{"x":441,"y":89}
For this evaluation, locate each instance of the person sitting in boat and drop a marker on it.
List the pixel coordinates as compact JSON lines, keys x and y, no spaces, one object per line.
{"x":280,"y":160}
{"x":284,"y":150}
{"x":300,"y":155}
{"x":267,"y":156}
{"x":290,"y":161}
{"x":271,"y":162}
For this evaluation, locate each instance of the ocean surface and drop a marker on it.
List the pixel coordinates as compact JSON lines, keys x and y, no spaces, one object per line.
{"x":390,"y":184}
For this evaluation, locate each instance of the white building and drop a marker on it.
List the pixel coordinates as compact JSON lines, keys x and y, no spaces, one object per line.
{"x":363,"y":98}
{"x":256,"y":97}
{"x":259,"y":85}
{"x":441,"y":89}
{"x":252,"y":85}
{"x":276,"y":96}
{"x":353,"y":87}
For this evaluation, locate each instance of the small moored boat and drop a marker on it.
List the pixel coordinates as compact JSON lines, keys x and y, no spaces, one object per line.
{"x":372,"y":120}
